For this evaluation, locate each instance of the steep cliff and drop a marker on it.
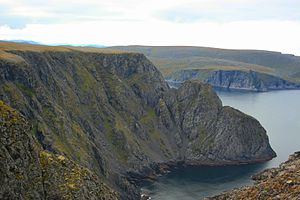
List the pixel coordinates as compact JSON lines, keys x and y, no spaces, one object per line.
{"x":28,"y":172}
{"x":113,"y":113}
{"x":277,"y":183}
{"x":235,"y":79}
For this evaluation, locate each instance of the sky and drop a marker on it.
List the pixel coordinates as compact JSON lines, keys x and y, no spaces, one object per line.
{"x":237,"y":24}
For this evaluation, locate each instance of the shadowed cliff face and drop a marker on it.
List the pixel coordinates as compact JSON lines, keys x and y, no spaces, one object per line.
{"x":114,"y":114}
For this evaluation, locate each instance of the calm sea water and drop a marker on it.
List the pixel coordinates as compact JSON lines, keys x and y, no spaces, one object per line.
{"x":277,"y":111}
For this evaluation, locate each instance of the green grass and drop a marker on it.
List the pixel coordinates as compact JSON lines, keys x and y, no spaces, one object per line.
{"x":168,"y":66}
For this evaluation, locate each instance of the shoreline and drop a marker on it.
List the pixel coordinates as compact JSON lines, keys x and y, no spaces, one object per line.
{"x":168,"y":168}
{"x":280,"y":182}
{"x":151,"y":174}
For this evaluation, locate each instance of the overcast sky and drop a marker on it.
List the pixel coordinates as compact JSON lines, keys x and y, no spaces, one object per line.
{"x":241,"y":24}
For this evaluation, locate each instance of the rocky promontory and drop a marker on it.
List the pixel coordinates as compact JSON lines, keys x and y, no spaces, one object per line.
{"x":112,"y":113}
{"x":276,"y":183}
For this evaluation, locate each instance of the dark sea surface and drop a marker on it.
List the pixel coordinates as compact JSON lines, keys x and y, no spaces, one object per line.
{"x":277,"y":111}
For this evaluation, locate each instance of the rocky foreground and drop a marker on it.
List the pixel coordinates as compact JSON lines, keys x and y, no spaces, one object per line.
{"x":276,"y":183}
{"x":29,"y":172}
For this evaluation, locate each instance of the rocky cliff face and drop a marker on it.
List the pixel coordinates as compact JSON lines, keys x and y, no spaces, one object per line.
{"x":277,"y":183}
{"x":216,"y":133}
{"x":114,"y":114}
{"x":28,"y":172}
{"x":235,"y":79}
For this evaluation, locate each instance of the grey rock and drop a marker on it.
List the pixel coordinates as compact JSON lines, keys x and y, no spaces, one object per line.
{"x":218,"y":133}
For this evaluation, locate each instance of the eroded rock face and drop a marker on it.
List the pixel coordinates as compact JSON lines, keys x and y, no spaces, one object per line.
{"x":28,"y":172}
{"x":277,"y":183}
{"x":115,"y":115}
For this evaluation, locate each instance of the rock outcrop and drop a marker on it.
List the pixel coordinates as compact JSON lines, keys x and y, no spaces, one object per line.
{"x":28,"y":172}
{"x":235,"y":79}
{"x":276,"y":183}
{"x":215,"y":133}
{"x":113,"y":113}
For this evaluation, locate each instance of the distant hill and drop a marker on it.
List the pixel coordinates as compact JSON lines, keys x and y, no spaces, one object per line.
{"x":23,"y":41}
{"x":58,"y":44}
{"x":172,"y":58}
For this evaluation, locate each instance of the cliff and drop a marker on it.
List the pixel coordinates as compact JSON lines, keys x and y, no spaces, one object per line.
{"x":277,"y":183}
{"x":234,"y":79}
{"x":113,"y":113}
{"x":29,"y":172}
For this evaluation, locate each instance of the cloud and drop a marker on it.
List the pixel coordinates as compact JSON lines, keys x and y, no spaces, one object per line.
{"x":18,"y":13}
{"x":232,"y":10}
{"x":268,"y":35}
